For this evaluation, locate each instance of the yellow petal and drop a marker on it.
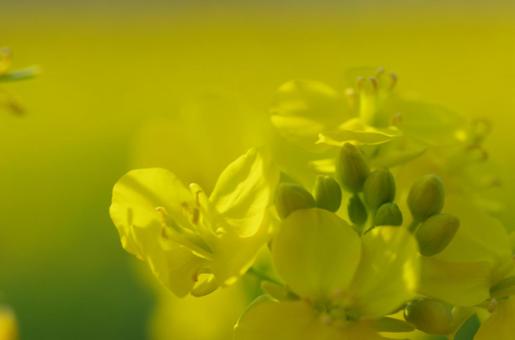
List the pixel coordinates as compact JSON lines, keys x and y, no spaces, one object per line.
{"x":459,"y":283}
{"x":501,"y":324}
{"x":296,"y":320}
{"x":388,"y":273}
{"x":316,"y":253}
{"x":244,"y":192}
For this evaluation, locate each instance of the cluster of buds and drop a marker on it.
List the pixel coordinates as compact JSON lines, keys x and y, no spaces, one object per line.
{"x":291,"y":197}
{"x":372,"y":192}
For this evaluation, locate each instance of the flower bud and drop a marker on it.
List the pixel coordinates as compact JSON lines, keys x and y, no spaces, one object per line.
{"x":388,"y":214}
{"x":292,"y":197}
{"x":379,"y":188}
{"x":435,"y":234}
{"x":351,"y":168}
{"x":328,"y":194}
{"x":426,"y":197}
{"x":430,"y":316}
{"x":357,"y":211}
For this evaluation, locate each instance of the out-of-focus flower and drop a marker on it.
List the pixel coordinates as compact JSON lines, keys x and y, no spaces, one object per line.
{"x":210,"y":317}
{"x":8,"y":324}
{"x":314,"y":120}
{"x":6,"y":72}
{"x":345,"y":284}
{"x":9,"y":75}
{"x":194,"y":243}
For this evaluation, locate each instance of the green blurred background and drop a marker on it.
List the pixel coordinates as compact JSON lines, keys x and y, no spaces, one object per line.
{"x":186,"y":85}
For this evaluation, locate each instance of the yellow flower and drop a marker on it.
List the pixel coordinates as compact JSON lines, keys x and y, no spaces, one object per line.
{"x":345,"y":283}
{"x":8,"y":325}
{"x":194,"y":243}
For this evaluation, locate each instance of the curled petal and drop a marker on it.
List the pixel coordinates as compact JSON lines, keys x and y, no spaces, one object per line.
{"x":244,"y":192}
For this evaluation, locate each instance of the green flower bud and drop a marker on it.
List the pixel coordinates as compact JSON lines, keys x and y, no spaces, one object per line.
{"x":351,"y":168}
{"x":430,"y":316}
{"x":388,"y":214}
{"x":328,"y":194}
{"x":426,"y":197}
{"x":379,"y":188}
{"x":435,"y":234}
{"x":357,"y":211}
{"x":504,"y":288}
{"x":292,"y":197}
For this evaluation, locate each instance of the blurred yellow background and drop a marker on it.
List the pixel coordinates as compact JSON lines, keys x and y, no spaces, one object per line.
{"x":187,"y":86}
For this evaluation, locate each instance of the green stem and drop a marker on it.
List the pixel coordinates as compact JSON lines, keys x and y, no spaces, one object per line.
{"x":262,"y":276}
{"x":413,"y":226}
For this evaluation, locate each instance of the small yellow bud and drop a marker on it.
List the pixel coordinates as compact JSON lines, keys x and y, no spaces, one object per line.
{"x":388,"y":214}
{"x":426,"y":197}
{"x":430,"y":316}
{"x":292,"y":197}
{"x":351,"y":168}
{"x":357,"y":211}
{"x":379,"y":188}
{"x":328,"y":194}
{"x":435,"y":234}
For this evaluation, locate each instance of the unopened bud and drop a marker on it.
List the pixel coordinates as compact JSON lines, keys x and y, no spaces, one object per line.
{"x":292,"y":197}
{"x":388,"y":214}
{"x":430,"y":316}
{"x":426,"y":197}
{"x":357,"y":211}
{"x":351,"y":168}
{"x":328,"y":194}
{"x":435,"y":234}
{"x":379,"y":188}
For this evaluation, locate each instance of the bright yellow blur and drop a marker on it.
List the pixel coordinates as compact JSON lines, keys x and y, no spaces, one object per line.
{"x":189,"y":90}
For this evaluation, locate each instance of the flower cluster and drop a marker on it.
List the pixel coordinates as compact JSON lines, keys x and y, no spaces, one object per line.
{"x":347,"y":238}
